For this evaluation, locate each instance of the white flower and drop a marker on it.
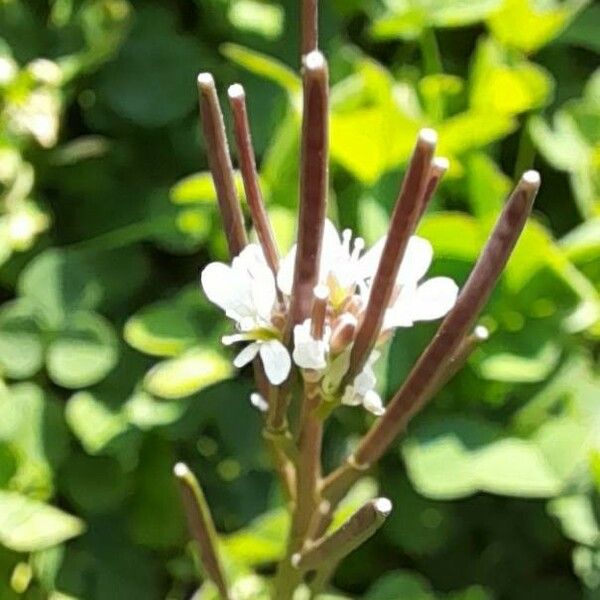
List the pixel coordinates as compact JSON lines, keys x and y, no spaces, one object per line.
{"x":416,"y":301}
{"x":362,"y":391}
{"x":246,"y":292}
{"x":342,"y":267}
{"x":310,"y":353}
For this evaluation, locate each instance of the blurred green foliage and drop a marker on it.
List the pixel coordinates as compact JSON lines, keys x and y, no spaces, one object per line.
{"x":110,"y":366}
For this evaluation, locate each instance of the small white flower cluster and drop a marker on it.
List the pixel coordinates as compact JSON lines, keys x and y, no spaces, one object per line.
{"x":247,"y":292}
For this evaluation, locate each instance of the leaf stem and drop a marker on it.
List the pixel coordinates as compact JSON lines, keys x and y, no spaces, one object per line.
{"x":430,"y":51}
{"x":201,"y":526}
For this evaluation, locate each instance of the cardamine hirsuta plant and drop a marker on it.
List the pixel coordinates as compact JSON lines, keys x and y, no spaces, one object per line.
{"x":312,"y":322}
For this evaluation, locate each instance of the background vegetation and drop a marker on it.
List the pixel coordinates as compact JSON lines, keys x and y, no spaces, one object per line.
{"x":110,"y":367}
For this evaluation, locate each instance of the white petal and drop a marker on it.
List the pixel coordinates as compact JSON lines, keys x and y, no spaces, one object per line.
{"x":400,"y":314}
{"x":259,"y":402}
{"x":350,"y":398}
{"x":228,"y":340}
{"x":285,"y":275}
{"x":308,"y":353}
{"x":246,"y":355}
{"x":331,"y":248}
{"x":227,"y":289}
{"x":263,"y":292}
{"x":433,"y":299}
{"x":365,"y":380}
{"x":373,"y":403}
{"x":416,"y":261}
{"x":276,"y":360}
{"x":369,"y":261}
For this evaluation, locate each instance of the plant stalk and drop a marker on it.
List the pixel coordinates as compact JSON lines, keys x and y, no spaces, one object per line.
{"x":421,"y":382}
{"x":201,"y":527}
{"x":247,"y":160}
{"x":219,"y":161}
{"x":409,"y":207}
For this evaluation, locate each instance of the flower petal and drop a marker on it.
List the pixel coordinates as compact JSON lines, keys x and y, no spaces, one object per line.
{"x":330,"y":250}
{"x":373,"y":403}
{"x":246,"y":355}
{"x":433,"y":299}
{"x":259,"y":402}
{"x":350,"y":398}
{"x":285,"y":275}
{"x":416,"y":261}
{"x":369,"y":261}
{"x":308,"y":353}
{"x":276,"y":360}
{"x":400,"y":314}
{"x":264,"y":293}
{"x":227,"y":289}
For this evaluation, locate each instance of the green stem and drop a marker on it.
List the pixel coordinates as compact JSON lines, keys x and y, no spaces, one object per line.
{"x":201,"y":527}
{"x":525,"y":153}
{"x":118,"y":238}
{"x":430,"y":51}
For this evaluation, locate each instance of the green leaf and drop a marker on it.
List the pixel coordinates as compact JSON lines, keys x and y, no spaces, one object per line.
{"x":456,"y":457}
{"x":146,"y":412}
{"x":264,"y":66}
{"x":494,"y":72}
{"x":472,"y":130}
{"x":372,"y":131}
{"x":187,"y":374}
{"x":400,"y":584}
{"x":529,"y":24}
{"x":162,"y":329}
{"x":28,"y":525}
{"x":156,"y":493}
{"x":572,"y":144}
{"x":154,"y":59}
{"x":406,"y":20}
{"x":263,"y":541}
{"x":21,"y":347}
{"x":57,"y":283}
{"x":513,"y":467}
{"x":577,"y":516}
{"x":257,"y":17}
{"x":93,"y":423}
{"x":507,"y":366}
{"x":487,"y":186}
{"x":33,"y":425}
{"x":84,"y":353}
{"x":200,"y":189}
{"x":583,"y":30}
{"x":363,"y":491}
{"x":85,"y":480}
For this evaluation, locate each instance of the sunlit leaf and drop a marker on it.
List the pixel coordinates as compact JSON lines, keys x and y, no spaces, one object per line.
{"x":264,"y":66}
{"x":84,"y":353}
{"x":94,"y":423}
{"x":501,"y":84}
{"x":28,"y":525}
{"x":263,"y":541}
{"x":400,"y":584}
{"x":21,"y":346}
{"x":455,"y":457}
{"x":530,"y":24}
{"x":163,"y":329}
{"x":257,"y":17}
{"x":187,"y":374}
